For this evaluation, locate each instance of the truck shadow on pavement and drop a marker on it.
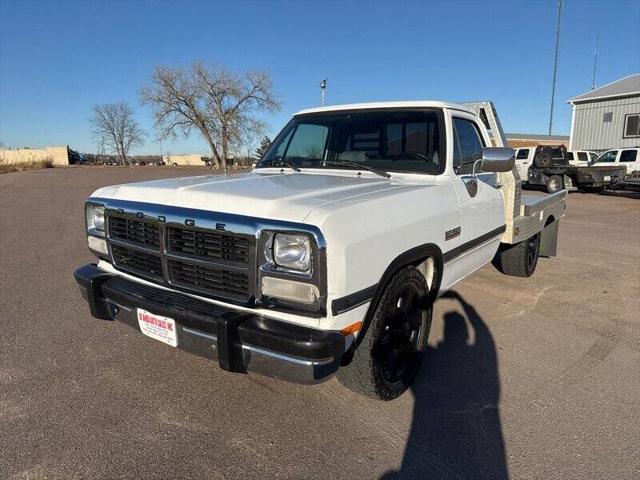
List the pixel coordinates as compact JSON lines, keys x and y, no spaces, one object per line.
{"x":456,"y":431}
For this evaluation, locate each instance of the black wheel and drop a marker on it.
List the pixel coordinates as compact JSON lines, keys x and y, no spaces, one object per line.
{"x":519,"y":260}
{"x":542,"y":160}
{"x":554,"y":184}
{"x":389,"y":355}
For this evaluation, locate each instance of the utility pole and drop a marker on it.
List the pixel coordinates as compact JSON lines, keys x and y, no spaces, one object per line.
{"x":595,"y":62}
{"x":555,"y":67}
{"x":323,"y":86}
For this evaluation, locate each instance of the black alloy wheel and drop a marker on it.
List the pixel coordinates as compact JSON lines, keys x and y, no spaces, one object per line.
{"x":397,"y":350}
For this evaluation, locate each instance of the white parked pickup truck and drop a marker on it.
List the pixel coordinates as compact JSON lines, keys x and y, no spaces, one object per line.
{"x":328,"y":256}
{"x":627,"y":157}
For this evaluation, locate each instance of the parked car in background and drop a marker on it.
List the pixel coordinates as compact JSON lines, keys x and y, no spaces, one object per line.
{"x":627,"y":157}
{"x":552,"y":168}
{"x":524,"y":159}
{"x":581,"y":158}
{"x":526,"y":155}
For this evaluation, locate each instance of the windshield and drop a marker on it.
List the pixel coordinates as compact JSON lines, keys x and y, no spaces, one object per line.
{"x":385,"y":141}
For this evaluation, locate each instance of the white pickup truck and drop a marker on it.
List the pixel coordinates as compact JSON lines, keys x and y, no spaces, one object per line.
{"x":626,"y":157}
{"x":329,"y":255}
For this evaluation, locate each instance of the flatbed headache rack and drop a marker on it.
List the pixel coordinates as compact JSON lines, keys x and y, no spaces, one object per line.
{"x":525,"y":215}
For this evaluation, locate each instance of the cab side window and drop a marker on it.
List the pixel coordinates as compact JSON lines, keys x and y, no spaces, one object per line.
{"x":582,"y":156}
{"x":467,"y":146}
{"x":523,"y":154}
{"x":628,"y":155}
{"x":609,"y":156}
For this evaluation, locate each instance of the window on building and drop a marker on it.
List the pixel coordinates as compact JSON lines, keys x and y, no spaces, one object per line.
{"x":523,"y":153}
{"x":628,"y":155}
{"x":632,"y":125}
{"x":468,"y":145}
{"x":608,"y":117}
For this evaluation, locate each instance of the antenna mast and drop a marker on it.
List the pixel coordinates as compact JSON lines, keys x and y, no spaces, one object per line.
{"x":555,"y":67}
{"x":595,"y":63}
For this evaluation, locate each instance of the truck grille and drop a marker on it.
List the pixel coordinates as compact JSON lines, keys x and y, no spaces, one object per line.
{"x":205,"y":262}
{"x":208,"y":278}
{"x":208,"y":245}
{"x":146,"y":264}
{"x":142,"y":232}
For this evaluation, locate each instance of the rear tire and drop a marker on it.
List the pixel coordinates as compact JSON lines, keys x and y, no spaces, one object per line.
{"x":519,"y":260}
{"x":388,"y":358}
{"x":554,"y":184}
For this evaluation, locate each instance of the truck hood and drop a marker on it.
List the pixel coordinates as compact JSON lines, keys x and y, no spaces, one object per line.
{"x":283,"y":196}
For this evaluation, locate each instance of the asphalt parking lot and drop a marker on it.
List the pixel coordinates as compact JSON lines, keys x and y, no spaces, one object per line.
{"x":525,"y":378}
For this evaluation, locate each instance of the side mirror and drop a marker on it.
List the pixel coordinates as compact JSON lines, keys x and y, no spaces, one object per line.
{"x":496,"y":159}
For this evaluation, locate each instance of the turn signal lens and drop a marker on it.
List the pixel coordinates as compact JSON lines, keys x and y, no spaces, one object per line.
{"x":289,"y":290}
{"x":350,"y":329}
{"x":97,"y":244}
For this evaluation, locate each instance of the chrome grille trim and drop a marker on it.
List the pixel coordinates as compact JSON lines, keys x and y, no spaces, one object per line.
{"x":255,"y":230}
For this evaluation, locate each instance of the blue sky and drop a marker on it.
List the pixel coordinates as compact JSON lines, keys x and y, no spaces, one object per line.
{"x":57,"y":59}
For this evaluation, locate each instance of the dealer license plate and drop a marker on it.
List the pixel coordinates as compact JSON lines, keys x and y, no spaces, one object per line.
{"x":158,"y":327}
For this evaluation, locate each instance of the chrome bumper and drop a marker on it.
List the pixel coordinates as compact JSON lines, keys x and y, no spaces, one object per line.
{"x":241,"y":342}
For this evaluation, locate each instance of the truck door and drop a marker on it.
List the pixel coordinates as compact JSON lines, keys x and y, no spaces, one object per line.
{"x":523,"y":163}
{"x":481,"y":203}
{"x":608,"y":158}
{"x":629,"y":158}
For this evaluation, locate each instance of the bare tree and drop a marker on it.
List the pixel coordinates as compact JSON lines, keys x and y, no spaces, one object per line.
{"x":223,"y":106}
{"x":114,"y":126}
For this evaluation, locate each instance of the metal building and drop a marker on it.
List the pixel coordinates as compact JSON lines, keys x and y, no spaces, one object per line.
{"x":607,"y":117}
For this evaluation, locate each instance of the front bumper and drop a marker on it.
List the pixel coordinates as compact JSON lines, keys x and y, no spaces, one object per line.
{"x":240,"y":341}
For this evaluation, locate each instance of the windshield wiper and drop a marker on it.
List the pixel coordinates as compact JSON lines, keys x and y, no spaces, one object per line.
{"x":382,"y":173}
{"x":280,"y":163}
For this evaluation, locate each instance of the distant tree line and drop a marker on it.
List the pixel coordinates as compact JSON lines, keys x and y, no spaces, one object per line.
{"x":222,"y":106}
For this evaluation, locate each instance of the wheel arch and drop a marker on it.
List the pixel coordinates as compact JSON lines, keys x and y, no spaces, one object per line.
{"x":428,"y":255}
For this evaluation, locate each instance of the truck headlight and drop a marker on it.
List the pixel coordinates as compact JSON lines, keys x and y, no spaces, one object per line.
{"x":292,"y":251}
{"x":95,"y":218}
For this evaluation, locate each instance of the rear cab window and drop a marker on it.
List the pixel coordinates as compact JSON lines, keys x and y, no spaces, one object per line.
{"x":523,"y":154}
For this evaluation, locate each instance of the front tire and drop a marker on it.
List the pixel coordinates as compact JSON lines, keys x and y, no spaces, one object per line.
{"x":519,"y":260}
{"x":388,"y":358}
